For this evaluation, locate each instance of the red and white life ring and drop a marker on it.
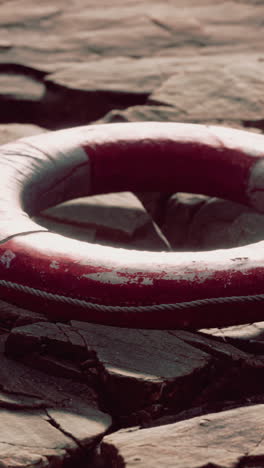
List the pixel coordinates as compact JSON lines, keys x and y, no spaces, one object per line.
{"x":66,"y":278}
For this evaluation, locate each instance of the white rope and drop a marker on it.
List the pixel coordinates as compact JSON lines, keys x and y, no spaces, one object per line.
{"x":133,"y":308}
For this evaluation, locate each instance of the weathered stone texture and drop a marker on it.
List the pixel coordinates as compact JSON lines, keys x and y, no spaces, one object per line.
{"x":73,"y":63}
{"x":226,"y":440}
{"x":45,"y":420}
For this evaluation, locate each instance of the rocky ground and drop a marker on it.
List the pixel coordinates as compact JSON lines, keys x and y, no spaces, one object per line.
{"x":82,"y":395}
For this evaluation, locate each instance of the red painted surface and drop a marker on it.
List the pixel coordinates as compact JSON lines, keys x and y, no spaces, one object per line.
{"x":71,"y":278}
{"x":138,"y":157}
{"x":152,"y":161}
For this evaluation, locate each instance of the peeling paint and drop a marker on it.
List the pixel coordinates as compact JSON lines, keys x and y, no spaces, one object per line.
{"x":110,"y":278}
{"x":117,"y":277}
{"x":190,"y":276}
{"x":55,"y":264}
{"x":147,"y":280}
{"x":7,"y":258}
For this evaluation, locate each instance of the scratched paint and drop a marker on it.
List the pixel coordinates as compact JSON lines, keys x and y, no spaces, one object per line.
{"x":7,"y":258}
{"x":111,"y":278}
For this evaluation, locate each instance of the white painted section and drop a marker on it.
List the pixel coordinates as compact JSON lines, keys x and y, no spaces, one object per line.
{"x":248,"y":142}
{"x":61,"y":143}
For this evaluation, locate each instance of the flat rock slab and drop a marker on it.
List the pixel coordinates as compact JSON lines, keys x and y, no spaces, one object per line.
{"x":144,"y":113}
{"x":179,"y":213}
{"x":200,"y":90}
{"x":226,"y":440}
{"x":198,"y":223}
{"x":116,"y":212}
{"x":45,"y":419}
{"x":181,"y":56}
{"x":141,"y":374}
{"x":11,"y":316}
{"x":248,"y":337}
{"x":252,"y":331}
{"x":12,"y":132}
{"x":21,"y":87}
{"x":135,"y":369}
{"x":159,"y":113}
{"x":118,"y":218}
{"x":85,"y":30}
{"x":127,"y":75}
{"x":74,"y":231}
{"x":214,"y":225}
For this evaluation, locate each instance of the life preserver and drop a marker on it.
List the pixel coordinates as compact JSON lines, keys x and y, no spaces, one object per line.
{"x":69,"y":279}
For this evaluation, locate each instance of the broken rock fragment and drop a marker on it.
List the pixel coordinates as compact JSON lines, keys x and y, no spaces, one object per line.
{"x":199,"y":90}
{"x":140,"y":372}
{"x":227,"y":439}
{"x":179,"y":212}
{"x":221,"y":223}
{"x":117,"y":218}
{"x":46,"y":420}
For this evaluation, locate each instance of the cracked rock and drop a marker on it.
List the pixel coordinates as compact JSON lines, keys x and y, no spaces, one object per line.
{"x":45,"y":420}
{"x":21,"y":87}
{"x":228,"y":439}
{"x":248,"y":337}
{"x":197,"y":222}
{"x":180,"y":210}
{"x":51,"y":35}
{"x":138,"y":371}
{"x":200,"y":91}
{"x":12,"y":316}
{"x":166,"y":372}
{"x":221,"y":223}
{"x":128,"y":75}
{"x":144,"y":113}
{"x":115,"y":219}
